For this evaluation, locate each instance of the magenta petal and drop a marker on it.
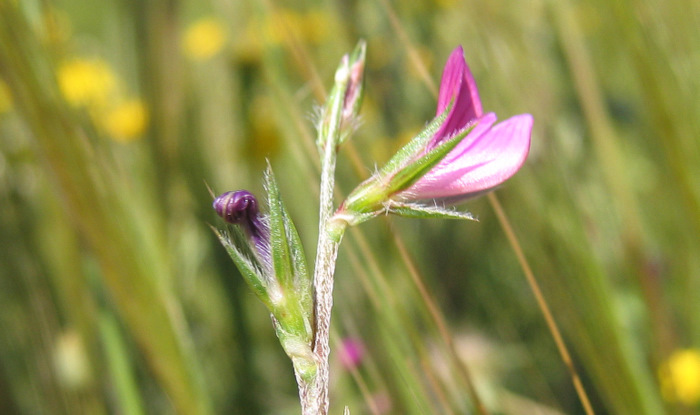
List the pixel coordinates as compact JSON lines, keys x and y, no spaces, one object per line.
{"x":452,"y":76}
{"x":457,"y":83}
{"x":483,"y":126}
{"x":483,"y":160}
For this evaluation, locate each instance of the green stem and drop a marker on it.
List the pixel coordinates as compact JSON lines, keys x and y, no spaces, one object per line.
{"x":314,"y":397}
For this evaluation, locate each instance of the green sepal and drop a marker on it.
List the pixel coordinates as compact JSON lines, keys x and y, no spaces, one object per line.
{"x":409,"y":151}
{"x":418,"y":168}
{"x":412,"y":210}
{"x":250,"y":270}
{"x":373,"y":192}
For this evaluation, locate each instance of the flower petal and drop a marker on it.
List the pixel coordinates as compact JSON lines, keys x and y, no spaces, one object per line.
{"x":457,"y":83}
{"x":483,"y":160}
{"x":483,"y":126}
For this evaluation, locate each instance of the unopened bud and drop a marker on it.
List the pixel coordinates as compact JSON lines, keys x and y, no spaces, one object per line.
{"x":339,"y":117}
{"x":354,"y":92}
{"x":236,"y":207}
{"x":355,"y":88}
{"x":240,"y":207}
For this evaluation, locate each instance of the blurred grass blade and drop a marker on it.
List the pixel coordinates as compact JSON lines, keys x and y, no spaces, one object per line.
{"x":132,"y":263}
{"x":120,"y":366}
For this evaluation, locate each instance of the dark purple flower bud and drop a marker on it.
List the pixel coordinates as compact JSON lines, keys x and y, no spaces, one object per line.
{"x":236,"y":207}
{"x":241,"y":208}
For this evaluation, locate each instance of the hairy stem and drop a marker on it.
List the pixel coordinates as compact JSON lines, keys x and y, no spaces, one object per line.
{"x":314,"y":396}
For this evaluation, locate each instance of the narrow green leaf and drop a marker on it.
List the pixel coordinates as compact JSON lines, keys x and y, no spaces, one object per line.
{"x":301,"y":279}
{"x":279,"y":246}
{"x":411,"y":210}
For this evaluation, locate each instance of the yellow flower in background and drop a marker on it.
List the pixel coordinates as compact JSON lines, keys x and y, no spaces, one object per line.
{"x":127,"y":121}
{"x":680,"y":377}
{"x":86,"y":82}
{"x":203,"y":39}
{"x":5,"y":98}
{"x":92,"y":84}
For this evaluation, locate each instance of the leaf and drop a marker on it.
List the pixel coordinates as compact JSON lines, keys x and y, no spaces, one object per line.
{"x":412,"y":210}
{"x":301,"y":279}
{"x":279,"y":247}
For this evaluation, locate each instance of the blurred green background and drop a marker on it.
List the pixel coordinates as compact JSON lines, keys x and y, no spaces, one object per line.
{"x":116,"y":297}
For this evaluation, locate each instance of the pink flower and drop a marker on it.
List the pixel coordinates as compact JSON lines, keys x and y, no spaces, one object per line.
{"x":351,"y":353}
{"x":460,"y":154}
{"x":489,"y":155}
